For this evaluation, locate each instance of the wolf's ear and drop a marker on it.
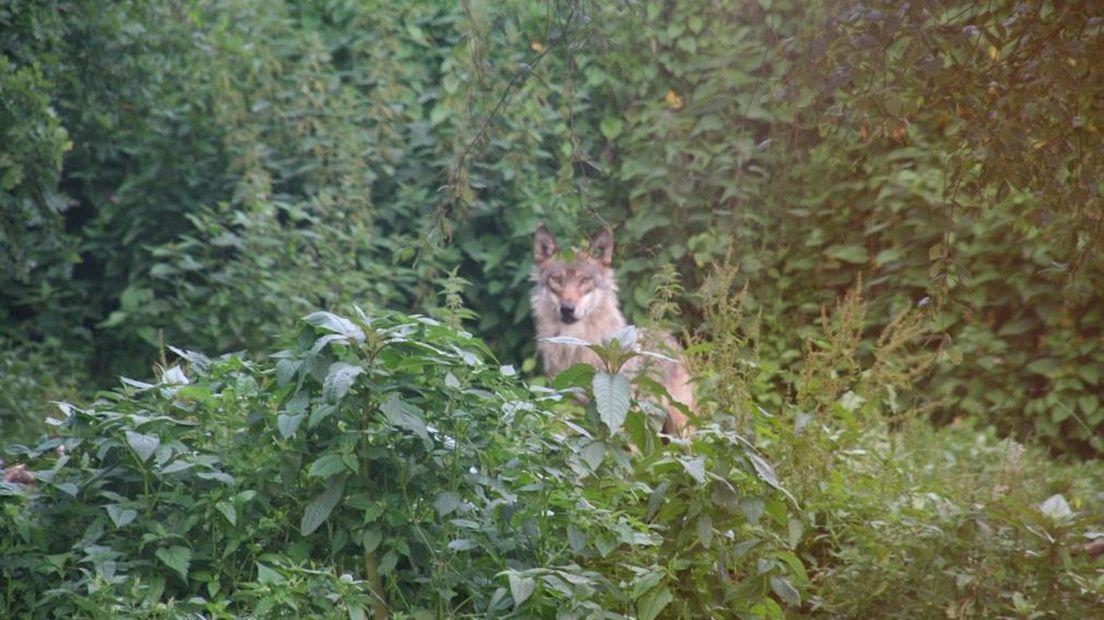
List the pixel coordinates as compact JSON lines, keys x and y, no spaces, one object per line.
{"x":601,"y":246}
{"x":544,"y":246}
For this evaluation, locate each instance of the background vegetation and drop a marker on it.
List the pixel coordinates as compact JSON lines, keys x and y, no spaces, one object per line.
{"x":863,"y":217}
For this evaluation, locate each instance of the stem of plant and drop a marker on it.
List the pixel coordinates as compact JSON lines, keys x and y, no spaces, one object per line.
{"x":371,"y":571}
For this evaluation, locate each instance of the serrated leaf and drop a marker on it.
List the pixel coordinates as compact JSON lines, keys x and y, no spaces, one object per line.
{"x":521,"y":588}
{"x":695,"y":467}
{"x":847,"y":253}
{"x":371,"y":540}
{"x":404,"y":415}
{"x":568,"y":340}
{"x":176,"y":558}
{"x":576,"y":375}
{"x":326,"y":465}
{"x":143,"y":445}
{"x":462,"y":544}
{"x":121,"y":516}
{"x":446,"y":502}
{"x":339,"y":379}
{"x":611,"y":127}
{"x":336,"y":324}
{"x":222,"y":477}
{"x":593,"y":454}
{"x":626,"y":337}
{"x":321,"y":412}
{"x":288,"y":424}
{"x":319,"y":509}
{"x":705,"y":531}
{"x":267,"y":575}
{"x":1056,"y":508}
{"x":612,"y":397}
{"x":753,"y":508}
{"x":785,"y":590}
{"x":177,"y":466}
{"x":765,"y":471}
{"x":227,"y":509}
{"x":646,"y":583}
{"x":653,"y":602}
{"x":576,"y":539}
{"x":286,"y":370}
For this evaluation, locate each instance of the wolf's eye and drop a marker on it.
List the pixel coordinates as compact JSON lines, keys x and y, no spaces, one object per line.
{"x":555,"y":281}
{"x":586,"y":281}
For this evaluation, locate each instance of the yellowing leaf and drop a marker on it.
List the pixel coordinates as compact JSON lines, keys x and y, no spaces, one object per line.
{"x":674,"y":100}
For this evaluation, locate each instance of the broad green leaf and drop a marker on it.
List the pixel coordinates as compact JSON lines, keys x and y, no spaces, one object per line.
{"x":521,"y":588}
{"x":321,"y":412}
{"x":646,"y":583}
{"x":288,"y":424}
{"x":593,"y":454}
{"x":766,"y":472}
{"x":611,"y":127}
{"x":695,"y":467}
{"x":785,"y":590}
{"x":653,"y":602}
{"x":612,"y":397}
{"x":847,"y":253}
{"x":752,"y":507}
{"x":319,"y":509}
{"x":327,"y":465}
{"x":404,"y":415}
{"x":335,"y":324}
{"x":446,"y":502}
{"x":705,"y":530}
{"x":1046,"y":366}
{"x":576,"y":375}
{"x":339,"y":379}
{"x":177,"y":558}
{"x":371,"y":540}
{"x":268,"y":575}
{"x":462,"y":544}
{"x":286,"y":370}
{"x":576,"y":539}
{"x":121,"y":516}
{"x":143,"y":445}
{"x":227,"y":509}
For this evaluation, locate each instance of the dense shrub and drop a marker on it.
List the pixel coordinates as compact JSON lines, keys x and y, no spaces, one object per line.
{"x":325,"y":153}
{"x":900,"y":519}
{"x":386,"y":462}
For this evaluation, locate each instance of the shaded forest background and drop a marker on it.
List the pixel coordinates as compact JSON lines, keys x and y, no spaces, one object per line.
{"x":200,"y":175}
{"x":858,"y":216}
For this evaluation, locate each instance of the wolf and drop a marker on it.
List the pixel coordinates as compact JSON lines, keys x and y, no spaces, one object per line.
{"x":576,"y":296}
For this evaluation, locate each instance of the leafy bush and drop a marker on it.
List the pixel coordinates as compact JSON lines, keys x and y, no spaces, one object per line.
{"x":342,"y":152}
{"x":382,"y":463}
{"x":900,"y":519}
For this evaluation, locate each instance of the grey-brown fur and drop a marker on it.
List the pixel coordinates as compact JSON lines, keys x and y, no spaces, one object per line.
{"x":587,"y":284}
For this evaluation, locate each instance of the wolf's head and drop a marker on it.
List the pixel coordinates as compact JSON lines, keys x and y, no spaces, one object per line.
{"x":569,"y":289}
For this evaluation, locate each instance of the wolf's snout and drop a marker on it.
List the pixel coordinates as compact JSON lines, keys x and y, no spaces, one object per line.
{"x":567,"y":312}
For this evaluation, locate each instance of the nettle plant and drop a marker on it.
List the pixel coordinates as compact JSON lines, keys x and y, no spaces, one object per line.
{"x":381,"y":465}
{"x":722,"y":525}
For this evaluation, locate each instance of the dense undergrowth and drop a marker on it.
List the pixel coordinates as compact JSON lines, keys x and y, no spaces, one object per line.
{"x":860,"y":217}
{"x":238,"y":163}
{"x":385,"y":464}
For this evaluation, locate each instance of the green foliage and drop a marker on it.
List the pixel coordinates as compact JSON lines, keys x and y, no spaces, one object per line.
{"x":941,"y":154}
{"x":382,"y":462}
{"x":899,"y":519}
{"x":323,"y":154}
